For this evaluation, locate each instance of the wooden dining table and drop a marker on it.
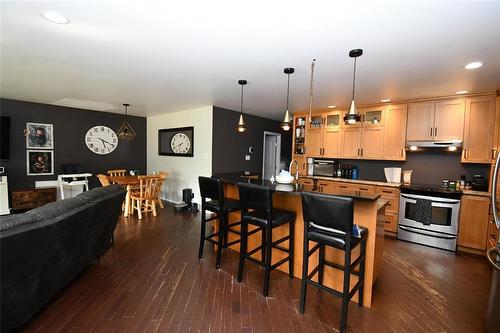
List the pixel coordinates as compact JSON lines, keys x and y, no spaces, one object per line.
{"x":129,"y":182}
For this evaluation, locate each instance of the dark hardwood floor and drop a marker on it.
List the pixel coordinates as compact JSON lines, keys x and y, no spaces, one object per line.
{"x":151,"y":280}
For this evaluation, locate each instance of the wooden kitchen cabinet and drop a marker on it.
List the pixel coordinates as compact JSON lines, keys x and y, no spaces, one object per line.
{"x":372,"y":142}
{"x":390,"y":194}
{"x":314,"y":139}
{"x":395,"y":133}
{"x":449,"y":120}
{"x":351,"y":142}
{"x":479,"y":130}
{"x":436,"y":121}
{"x":323,"y":135}
{"x":420,"y":121}
{"x":474,"y":219}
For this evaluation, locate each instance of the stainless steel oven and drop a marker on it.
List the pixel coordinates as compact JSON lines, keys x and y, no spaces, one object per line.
{"x":440,"y":230}
{"x":323,"y":167}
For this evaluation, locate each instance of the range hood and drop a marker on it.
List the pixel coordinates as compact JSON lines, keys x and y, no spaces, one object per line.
{"x":451,"y":145}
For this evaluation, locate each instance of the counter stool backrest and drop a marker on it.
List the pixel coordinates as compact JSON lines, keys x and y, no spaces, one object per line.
{"x":211,"y":188}
{"x":258,"y":197}
{"x":328,"y":211}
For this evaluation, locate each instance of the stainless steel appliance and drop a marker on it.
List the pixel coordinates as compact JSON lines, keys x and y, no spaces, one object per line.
{"x":323,"y":167}
{"x":440,"y":227}
{"x":493,"y":317}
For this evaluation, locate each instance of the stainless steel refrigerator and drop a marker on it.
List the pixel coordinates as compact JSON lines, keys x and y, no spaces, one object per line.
{"x":493,"y":318}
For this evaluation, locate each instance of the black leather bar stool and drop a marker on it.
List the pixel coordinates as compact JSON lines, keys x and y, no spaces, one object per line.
{"x":211,"y":188}
{"x":328,"y":221}
{"x":257,"y":210}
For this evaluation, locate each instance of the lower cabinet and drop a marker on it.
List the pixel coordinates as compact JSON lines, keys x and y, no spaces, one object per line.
{"x":392,"y":209}
{"x":474,"y":222}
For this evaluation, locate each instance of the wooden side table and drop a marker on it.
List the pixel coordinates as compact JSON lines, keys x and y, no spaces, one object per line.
{"x":25,"y":199}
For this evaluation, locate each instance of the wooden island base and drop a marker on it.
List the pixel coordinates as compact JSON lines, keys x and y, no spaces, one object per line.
{"x":369,"y":214}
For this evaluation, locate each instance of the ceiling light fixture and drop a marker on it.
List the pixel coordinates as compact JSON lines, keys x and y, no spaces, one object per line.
{"x":352,"y":116}
{"x":126,"y":132}
{"x":54,"y":17}
{"x":474,"y":65}
{"x":241,"y":123}
{"x":332,"y":106}
{"x":285,"y":125}
{"x":385,"y":100}
{"x":461,"y":92}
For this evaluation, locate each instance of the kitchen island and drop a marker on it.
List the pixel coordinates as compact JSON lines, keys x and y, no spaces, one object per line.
{"x":369,"y":212}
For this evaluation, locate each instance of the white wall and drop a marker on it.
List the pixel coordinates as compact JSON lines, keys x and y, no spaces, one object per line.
{"x":183,"y":172}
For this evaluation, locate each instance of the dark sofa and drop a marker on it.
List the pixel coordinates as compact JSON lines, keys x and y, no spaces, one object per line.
{"x":45,"y":248}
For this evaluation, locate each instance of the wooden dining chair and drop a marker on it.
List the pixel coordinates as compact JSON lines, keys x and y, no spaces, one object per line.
{"x":117,"y":172}
{"x":146,"y":199}
{"x":163,"y":175}
{"x":104,"y":180}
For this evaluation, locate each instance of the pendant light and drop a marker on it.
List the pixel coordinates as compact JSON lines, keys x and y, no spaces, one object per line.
{"x":126,"y":132}
{"x":352,"y":117}
{"x":311,"y":88}
{"x":285,"y":125}
{"x":241,"y":123}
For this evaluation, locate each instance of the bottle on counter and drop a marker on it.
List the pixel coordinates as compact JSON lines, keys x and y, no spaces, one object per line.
{"x":462,"y":182}
{"x":355,"y":173}
{"x":339,"y":171}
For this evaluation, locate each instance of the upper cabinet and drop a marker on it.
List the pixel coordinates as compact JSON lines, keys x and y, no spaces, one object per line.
{"x":420,"y":121}
{"x":323,"y":135}
{"x":479,"y":130}
{"x":395,"y":132}
{"x":436,"y":121}
{"x":449,"y":120}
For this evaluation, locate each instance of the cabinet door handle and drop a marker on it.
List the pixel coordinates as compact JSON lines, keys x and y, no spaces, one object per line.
{"x":435,"y":131}
{"x":465,"y":153}
{"x":431,"y":131}
{"x":361,"y":151}
{"x":401,"y":153}
{"x":358,"y":151}
{"x":493,"y":154}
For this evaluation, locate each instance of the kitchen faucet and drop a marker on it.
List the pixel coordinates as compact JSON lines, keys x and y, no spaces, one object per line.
{"x":290,"y":169}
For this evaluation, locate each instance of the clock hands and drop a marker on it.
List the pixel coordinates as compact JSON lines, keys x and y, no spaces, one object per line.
{"x":104,"y":142}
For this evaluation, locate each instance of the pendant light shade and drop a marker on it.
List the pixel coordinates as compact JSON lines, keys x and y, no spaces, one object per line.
{"x":126,"y":132}
{"x":352,"y":116}
{"x":241,"y":122}
{"x":285,"y":125}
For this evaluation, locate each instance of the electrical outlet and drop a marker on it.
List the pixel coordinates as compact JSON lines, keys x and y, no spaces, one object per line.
{"x":247,"y":157}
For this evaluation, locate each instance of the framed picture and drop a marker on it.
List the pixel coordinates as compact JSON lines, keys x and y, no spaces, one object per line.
{"x":176,"y":141}
{"x":39,"y":136}
{"x":40,"y":162}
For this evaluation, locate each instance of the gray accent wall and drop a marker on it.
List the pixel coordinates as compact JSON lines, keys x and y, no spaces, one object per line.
{"x":70,"y":127}
{"x":230,"y":147}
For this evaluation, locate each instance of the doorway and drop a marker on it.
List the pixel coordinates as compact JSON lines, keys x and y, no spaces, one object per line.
{"x":271,"y":154}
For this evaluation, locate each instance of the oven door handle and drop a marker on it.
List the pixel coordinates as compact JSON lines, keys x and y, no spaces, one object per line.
{"x":433,"y":201}
{"x":436,"y":235}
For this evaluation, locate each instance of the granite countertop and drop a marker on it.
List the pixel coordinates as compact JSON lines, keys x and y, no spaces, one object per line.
{"x":292,"y":189}
{"x":355,"y":181}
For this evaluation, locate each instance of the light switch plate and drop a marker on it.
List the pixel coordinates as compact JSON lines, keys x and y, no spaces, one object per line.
{"x":247,"y":157}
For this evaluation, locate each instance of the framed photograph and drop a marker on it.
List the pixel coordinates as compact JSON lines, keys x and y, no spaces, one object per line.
{"x":176,"y":141}
{"x":40,"y":162}
{"x":39,"y":136}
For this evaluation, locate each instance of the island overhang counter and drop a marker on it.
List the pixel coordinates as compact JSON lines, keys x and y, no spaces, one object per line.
{"x":369,"y":212}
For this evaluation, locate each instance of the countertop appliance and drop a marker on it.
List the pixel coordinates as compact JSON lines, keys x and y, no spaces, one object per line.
{"x":322,"y":167}
{"x":493,"y":317}
{"x":428,"y":215}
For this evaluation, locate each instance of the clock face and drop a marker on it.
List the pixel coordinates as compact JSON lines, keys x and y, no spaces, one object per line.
{"x":180,"y":143}
{"x":101,"y":140}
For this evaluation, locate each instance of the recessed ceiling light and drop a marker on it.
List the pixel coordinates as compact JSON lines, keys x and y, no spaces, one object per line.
{"x":474,"y":65}
{"x":462,"y":92}
{"x":385,"y":100}
{"x":54,"y":17}
{"x":332,"y":106}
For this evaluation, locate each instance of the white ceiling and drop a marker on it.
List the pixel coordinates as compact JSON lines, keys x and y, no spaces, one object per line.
{"x":168,"y":56}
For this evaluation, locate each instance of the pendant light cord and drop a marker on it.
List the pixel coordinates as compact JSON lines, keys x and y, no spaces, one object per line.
{"x":354,"y":78}
{"x":288,"y":92}
{"x":241,"y":100}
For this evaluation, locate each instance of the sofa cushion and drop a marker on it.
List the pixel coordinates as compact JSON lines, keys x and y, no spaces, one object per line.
{"x":14,"y":220}
{"x":99,"y":193}
{"x":57,"y":208}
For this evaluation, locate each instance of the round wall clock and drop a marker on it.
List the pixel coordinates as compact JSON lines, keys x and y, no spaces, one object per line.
{"x":101,"y":140}
{"x":180,"y":143}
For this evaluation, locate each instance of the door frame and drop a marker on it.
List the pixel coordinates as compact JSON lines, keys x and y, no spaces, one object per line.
{"x":278,"y":152}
